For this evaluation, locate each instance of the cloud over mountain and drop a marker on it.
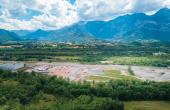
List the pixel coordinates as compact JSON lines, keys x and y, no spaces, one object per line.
{"x":55,"y":14}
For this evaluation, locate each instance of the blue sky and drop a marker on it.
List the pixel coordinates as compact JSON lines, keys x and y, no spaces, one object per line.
{"x":56,"y":14}
{"x":72,"y":1}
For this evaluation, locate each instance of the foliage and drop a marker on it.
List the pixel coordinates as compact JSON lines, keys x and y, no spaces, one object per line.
{"x":24,"y":91}
{"x":135,"y":53}
{"x":130,"y":71}
{"x":32,"y":91}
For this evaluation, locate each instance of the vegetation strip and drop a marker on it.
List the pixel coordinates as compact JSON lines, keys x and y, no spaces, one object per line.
{"x":24,"y":91}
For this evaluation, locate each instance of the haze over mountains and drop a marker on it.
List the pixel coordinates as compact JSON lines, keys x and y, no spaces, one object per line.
{"x":124,"y":28}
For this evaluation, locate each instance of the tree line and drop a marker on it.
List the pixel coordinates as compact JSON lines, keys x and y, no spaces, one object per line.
{"x":33,"y":91}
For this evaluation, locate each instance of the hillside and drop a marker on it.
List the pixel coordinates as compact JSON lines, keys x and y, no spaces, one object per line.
{"x":137,"y":26}
{"x":133,"y":27}
{"x":68,"y":34}
{"x":8,"y":36}
{"x":22,"y":32}
{"x":128,"y":27}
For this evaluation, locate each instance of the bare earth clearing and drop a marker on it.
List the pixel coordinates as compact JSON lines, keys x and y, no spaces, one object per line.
{"x":79,"y":72}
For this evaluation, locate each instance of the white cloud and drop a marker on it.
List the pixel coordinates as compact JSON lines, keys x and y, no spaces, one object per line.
{"x":55,"y":14}
{"x":166,"y":3}
{"x":106,"y":9}
{"x":9,"y":23}
{"x":101,"y":9}
{"x":146,"y":5}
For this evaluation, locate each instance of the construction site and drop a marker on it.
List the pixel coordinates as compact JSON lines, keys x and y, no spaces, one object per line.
{"x":100,"y":73}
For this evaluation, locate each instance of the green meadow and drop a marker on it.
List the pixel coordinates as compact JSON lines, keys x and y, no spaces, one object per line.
{"x":147,"y":105}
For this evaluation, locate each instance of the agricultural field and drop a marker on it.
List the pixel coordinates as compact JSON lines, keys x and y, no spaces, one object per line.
{"x":147,"y":105}
{"x":146,"y":54}
{"x":144,"y":61}
{"x":111,"y":75}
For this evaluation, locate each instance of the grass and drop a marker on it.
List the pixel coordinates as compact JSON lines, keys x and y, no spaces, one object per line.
{"x":98,"y":78}
{"x":111,"y":75}
{"x":67,"y":57}
{"x":147,"y":105}
{"x":118,"y":75}
{"x":144,"y":61}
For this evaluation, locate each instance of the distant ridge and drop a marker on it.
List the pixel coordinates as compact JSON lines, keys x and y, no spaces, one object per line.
{"x":137,"y":26}
{"x":133,"y":27}
{"x":8,"y":36}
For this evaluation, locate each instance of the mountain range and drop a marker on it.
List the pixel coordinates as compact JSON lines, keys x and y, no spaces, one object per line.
{"x":137,"y":26}
{"x":8,"y":36}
